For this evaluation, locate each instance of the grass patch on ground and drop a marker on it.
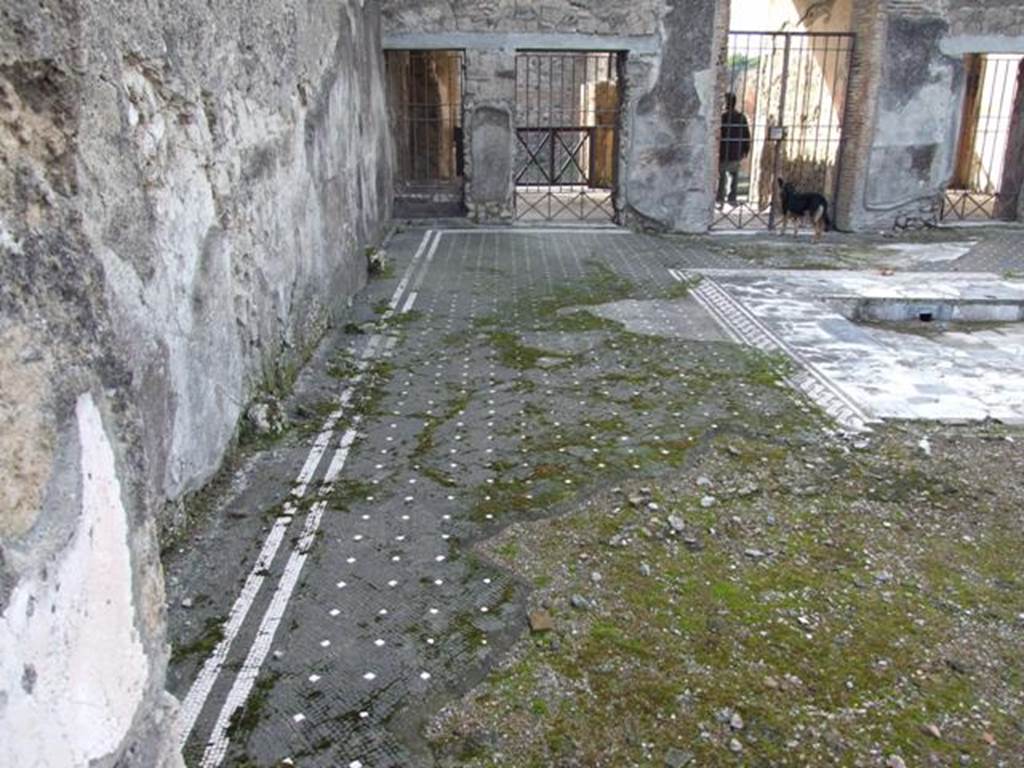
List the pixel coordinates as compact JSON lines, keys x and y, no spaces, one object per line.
{"x":512,"y":352}
{"x":657,"y":379}
{"x":426,"y":439}
{"x":600,"y":284}
{"x":245,"y":719}
{"x":348,"y":491}
{"x":203,"y":645}
{"x":829,"y":596}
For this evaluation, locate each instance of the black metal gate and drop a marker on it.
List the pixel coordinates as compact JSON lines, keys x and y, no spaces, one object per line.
{"x":987,"y":178}
{"x":567,"y":148}
{"x":790,"y":91}
{"x":425,"y":102}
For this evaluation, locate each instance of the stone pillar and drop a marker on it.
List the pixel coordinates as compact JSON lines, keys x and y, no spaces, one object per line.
{"x":490,"y":134}
{"x":672,"y":164}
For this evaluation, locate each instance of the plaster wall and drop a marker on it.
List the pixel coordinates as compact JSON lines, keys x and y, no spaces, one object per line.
{"x":908,"y":96}
{"x":186,"y":191}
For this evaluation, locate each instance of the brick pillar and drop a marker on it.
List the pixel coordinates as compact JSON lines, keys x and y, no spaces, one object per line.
{"x":1011,"y":201}
{"x":865,"y":74}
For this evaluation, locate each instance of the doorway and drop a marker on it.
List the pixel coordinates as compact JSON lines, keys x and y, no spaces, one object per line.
{"x":790,"y":91}
{"x":987,"y":178}
{"x":568,"y":107}
{"x":425,"y":103}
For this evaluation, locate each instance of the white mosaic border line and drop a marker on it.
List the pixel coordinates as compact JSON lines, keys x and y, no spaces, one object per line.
{"x":217,"y":747}
{"x":769,"y":273}
{"x":743,"y":327}
{"x":218,"y":743}
{"x":201,"y":688}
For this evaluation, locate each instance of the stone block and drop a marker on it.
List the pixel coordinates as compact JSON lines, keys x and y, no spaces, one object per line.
{"x":491,"y":137}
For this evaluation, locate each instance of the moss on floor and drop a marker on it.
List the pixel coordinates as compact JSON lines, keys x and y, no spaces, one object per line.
{"x":776,"y":595}
{"x":846,"y":605}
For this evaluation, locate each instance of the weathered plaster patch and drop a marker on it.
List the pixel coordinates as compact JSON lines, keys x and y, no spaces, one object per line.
{"x":72,"y":666}
{"x":491,"y":142}
{"x":26,"y":437}
{"x":705,"y":83}
{"x":924,"y":119}
{"x":9,"y":242}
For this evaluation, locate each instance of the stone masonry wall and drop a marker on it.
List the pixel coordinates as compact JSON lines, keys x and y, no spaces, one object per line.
{"x":670,"y":109}
{"x":489,"y":108}
{"x":902,"y":122}
{"x":597,"y":17}
{"x":907,"y":92}
{"x":186,"y":190}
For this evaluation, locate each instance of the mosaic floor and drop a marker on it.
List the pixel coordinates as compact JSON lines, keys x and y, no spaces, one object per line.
{"x":969,"y":368}
{"x":499,"y":374}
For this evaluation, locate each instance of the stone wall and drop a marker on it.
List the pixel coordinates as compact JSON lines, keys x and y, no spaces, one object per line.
{"x":670,"y":106}
{"x":907,"y":91}
{"x":902,"y":122}
{"x":186,"y":191}
{"x":596,"y":17}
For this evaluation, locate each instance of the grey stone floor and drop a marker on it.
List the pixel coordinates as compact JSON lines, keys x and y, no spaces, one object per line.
{"x":492,"y":397}
{"x":998,"y":249}
{"x":499,"y":401}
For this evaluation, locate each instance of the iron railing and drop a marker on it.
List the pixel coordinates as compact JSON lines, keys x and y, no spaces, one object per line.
{"x":791,"y":89}
{"x":979,"y":190}
{"x":567,"y":112}
{"x":425,"y":102}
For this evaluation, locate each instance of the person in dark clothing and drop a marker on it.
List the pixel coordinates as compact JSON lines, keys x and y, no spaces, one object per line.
{"x":733,"y":147}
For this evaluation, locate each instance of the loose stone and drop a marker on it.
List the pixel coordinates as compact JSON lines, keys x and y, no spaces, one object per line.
{"x":676,"y":758}
{"x":541,"y":621}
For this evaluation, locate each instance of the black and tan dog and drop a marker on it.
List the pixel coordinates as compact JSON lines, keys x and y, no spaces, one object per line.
{"x":797,"y":206}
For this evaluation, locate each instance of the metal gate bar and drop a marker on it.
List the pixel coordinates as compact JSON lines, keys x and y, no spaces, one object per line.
{"x":791,"y":91}
{"x":425,"y":104}
{"x":992,"y":95}
{"x":567,"y":113}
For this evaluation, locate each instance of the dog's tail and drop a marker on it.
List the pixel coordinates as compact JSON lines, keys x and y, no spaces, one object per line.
{"x":825,"y":220}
